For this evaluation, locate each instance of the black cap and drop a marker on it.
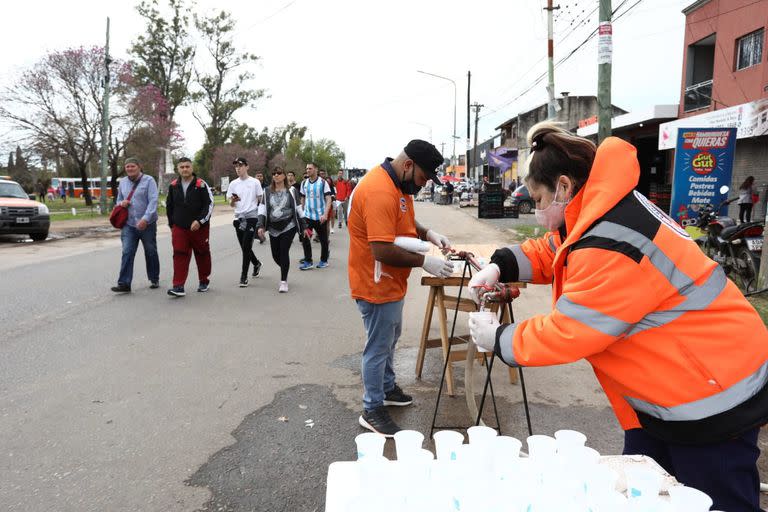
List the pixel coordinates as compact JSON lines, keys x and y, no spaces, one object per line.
{"x":426,"y":156}
{"x":240,"y":160}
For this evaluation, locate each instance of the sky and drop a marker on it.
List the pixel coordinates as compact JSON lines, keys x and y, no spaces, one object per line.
{"x":349,"y":69}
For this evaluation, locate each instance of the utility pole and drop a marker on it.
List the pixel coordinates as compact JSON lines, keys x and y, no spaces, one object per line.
{"x":604,"y":58}
{"x":442,"y":149}
{"x":551,"y":112}
{"x":469,"y":113}
{"x":476,"y":107}
{"x":105,"y":129}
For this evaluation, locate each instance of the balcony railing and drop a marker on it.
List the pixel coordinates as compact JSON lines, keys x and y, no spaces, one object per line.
{"x":698,"y":96}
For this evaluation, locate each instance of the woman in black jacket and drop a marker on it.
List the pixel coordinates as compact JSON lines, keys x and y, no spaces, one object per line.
{"x":281,"y":216}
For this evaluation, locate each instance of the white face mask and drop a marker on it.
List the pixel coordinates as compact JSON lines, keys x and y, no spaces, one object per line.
{"x":553,"y":216}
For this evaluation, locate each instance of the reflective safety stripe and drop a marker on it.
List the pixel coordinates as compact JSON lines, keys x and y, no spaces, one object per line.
{"x":525,"y":269}
{"x":552,"y":245}
{"x":697,"y":298}
{"x":598,"y":321}
{"x":709,"y":406}
{"x":657,"y":257}
{"x":506,"y":350}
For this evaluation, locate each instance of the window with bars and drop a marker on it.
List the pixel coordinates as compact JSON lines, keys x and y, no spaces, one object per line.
{"x":749,"y":49}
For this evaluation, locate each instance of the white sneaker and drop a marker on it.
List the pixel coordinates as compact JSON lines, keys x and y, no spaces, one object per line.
{"x":332,"y":231}
{"x":283,"y":287}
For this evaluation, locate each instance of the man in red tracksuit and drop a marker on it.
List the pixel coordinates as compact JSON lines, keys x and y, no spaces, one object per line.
{"x":343,"y":191}
{"x":189,"y":206}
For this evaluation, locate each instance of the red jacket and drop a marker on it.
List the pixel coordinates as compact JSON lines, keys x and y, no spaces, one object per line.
{"x":675,"y":345}
{"x":343,"y":190}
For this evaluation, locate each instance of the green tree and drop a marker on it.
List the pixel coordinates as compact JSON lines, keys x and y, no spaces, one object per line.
{"x":21,"y":173}
{"x":163,"y":55}
{"x":324,"y":152}
{"x":225,"y":90}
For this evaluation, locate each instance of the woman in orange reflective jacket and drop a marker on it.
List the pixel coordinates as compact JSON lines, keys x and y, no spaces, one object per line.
{"x":681,"y":354}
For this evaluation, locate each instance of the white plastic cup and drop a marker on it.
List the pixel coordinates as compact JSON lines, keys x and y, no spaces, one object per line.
{"x":480,"y":434}
{"x":541,"y":447}
{"x":506,"y":455}
{"x":372,"y":470}
{"x":482,"y":317}
{"x":599,"y":480}
{"x":688,"y":499}
{"x":642,"y":483}
{"x":408,"y":443}
{"x":569,"y":441}
{"x":447,"y":443}
{"x":370,"y":444}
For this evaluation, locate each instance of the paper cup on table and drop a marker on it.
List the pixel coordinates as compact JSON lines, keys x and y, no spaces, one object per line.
{"x":447,"y":443}
{"x":370,"y":444}
{"x":408,"y":443}
{"x":642,"y":483}
{"x":486,"y":317}
{"x":689,"y":499}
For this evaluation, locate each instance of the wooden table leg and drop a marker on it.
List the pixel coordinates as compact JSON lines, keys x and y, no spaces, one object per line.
{"x":425,"y":332}
{"x":442,"y":318}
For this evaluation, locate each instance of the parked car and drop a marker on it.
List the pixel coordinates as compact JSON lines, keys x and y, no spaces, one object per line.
{"x":522,"y":199}
{"x":19,"y":215}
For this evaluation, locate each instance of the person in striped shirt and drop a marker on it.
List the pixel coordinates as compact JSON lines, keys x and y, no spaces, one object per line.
{"x":316,"y":202}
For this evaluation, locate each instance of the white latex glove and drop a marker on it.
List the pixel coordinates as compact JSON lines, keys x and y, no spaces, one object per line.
{"x":438,"y":267}
{"x":484,"y":333}
{"x":439,"y":240}
{"x":483,"y":280}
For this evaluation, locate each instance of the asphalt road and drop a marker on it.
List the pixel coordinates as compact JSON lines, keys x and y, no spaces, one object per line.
{"x":237,"y":399}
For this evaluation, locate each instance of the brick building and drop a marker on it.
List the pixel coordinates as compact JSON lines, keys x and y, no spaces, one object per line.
{"x":725,"y":82}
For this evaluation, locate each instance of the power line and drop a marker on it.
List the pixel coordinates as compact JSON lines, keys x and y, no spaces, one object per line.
{"x":564,"y":59}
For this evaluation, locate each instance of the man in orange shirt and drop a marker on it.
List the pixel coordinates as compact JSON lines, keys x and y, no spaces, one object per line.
{"x":381,"y":210}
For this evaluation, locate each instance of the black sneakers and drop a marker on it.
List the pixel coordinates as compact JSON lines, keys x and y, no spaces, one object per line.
{"x":378,"y":420}
{"x":397,"y":397}
{"x":243,"y":282}
{"x":121,"y":288}
{"x":176,"y":291}
{"x":202,"y":288}
{"x":257,"y":269}
{"x":154,"y":284}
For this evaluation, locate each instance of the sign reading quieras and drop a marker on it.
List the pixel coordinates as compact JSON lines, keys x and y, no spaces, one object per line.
{"x":703,"y":164}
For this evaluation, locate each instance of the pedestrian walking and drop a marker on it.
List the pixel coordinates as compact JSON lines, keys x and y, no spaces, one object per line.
{"x":332,"y":186}
{"x":189,"y":207}
{"x":316,"y":202}
{"x":680,"y":353}
{"x":343,"y":191}
{"x":138,"y":194}
{"x":63,"y":192}
{"x":40,"y":189}
{"x":291,"y":180}
{"x":746,"y":199}
{"x":281,"y":215}
{"x":244,"y":194}
{"x":381,"y":210}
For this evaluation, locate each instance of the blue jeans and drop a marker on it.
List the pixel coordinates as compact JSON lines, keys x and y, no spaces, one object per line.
{"x":383,"y":323}
{"x":727,"y":470}
{"x":130,"y":237}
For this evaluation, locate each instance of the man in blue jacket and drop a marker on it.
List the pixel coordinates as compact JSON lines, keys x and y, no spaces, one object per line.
{"x":138,"y":193}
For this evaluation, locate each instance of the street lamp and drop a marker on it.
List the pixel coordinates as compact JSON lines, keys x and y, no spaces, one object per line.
{"x":453,"y":160}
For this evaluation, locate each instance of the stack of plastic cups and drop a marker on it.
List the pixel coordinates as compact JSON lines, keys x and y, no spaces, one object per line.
{"x":413,"y":465}
{"x":643,"y":486}
{"x":373,"y":467}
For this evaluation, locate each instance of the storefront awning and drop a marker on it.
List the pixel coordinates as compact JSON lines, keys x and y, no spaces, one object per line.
{"x":749,"y":119}
{"x":655,"y":113}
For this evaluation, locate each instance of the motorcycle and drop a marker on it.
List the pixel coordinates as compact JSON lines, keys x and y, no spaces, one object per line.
{"x":735,"y":247}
